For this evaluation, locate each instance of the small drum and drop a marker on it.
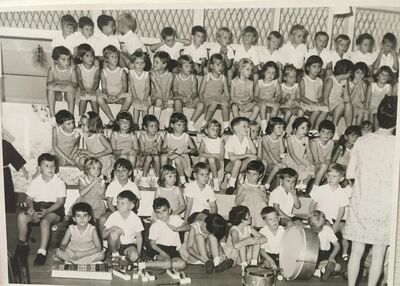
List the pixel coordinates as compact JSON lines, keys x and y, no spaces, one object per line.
{"x":258,"y":276}
{"x":299,"y":253}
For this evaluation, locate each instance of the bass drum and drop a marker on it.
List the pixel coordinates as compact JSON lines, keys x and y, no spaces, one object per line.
{"x":258,"y":276}
{"x":299,"y":253}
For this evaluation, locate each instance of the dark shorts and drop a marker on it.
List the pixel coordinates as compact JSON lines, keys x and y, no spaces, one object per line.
{"x":124,"y":247}
{"x":38,"y":206}
{"x":324,"y":254}
{"x":170,"y":250}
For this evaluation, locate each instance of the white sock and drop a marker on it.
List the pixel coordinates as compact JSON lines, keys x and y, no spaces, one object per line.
{"x":253,"y":262}
{"x":225,"y":124}
{"x":217,"y":260}
{"x":42,"y":251}
{"x":182,"y":179}
{"x":216,"y":182}
{"x":263,"y":125}
{"x":232,"y":182}
{"x":115,"y":254}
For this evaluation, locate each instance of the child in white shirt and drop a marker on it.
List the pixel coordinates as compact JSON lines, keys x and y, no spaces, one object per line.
{"x":197,"y":50}
{"x":106,"y":25}
{"x":294,"y":51}
{"x":65,"y":36}
{"x":321,"y":40}
{"x":342,"y":43}
{"x":85,"y":34}
{"x":387,"y":56}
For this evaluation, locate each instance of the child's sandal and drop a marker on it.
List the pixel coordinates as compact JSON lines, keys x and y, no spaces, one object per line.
{"x":345,"y":257}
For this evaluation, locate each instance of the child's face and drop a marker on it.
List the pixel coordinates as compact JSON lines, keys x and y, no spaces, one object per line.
{"x":298,"y":37}
{"x":241,"y":129}
{"x":366,"y":46}
{"x":94,"y":170}
{"x":170,"y":178}
{"x":47,"y":168}
{"x":321,"y":42}
{"x":88,"y":59}
{"x":139,"y":64}
{"x":274,"y":42}
{"x":67,"y":28}
{"x":169,"y":41}
{"x":64,"y":61}
{"x":351,"y":138}
{"x":224,"y":39}
{"x":246,"y":70}
{"x":359,"y":75}
{"x":342,"y":46}
{"x":179,"y":127}
{"x":113,"y":59}
{"x":202,"y":176}
{"x":254,"y":131}
{"x":159,"y":65}
{"x":252,"y":176}
{"x":163,"y":213}
{"x":288,"y":183}
{"x":122,"y":173}
{"x":279,"y":129}
{"x":325,"y":135}
{"x":213,"y":131}
{"x":152,"y":128}
{"x":198,"y":38}
{"x":247,"y":220}
{"x":218,"y":67}
{"x":383,"y":77}
{"x":272,"y":220}
{"x":302,"y":130}
{"x":124,"y":205}
{"x":68,"y":125}
{"x":387,"y":46}
{"x":87,"y":31}
{"x":290,"y":77}
{"x":269,"y":74}
{"x":81,"y":218}
{"x":366,"y":129}
{"x":122,"y":28}
{"x":333,"y":177}
{"x":124,"y":124}
{"x":187,"y":68}
{"x":248,"y":38}
{"x":109,"y":29}
{"x":314,"y":69}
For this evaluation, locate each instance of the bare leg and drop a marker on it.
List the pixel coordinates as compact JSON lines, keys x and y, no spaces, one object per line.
{"x":337,"y":112}
{"x":235,"y":110}
{"x":71,"y":101}
{"x":313,"y":117}
{"x":197,"y":112}
{"x":178,"y":105}
{"x":322,"y":116}
{"x":156,"y":165}
{"x":23,"y":221}
{"x":161,"y":262}
{"x":95,"y":106}
{"x":375,"y":271}
{"x":236,"y":168}
{"x":136,"y":114}
{"x":225,"y":112}
{"x":45,"y":224}
{"x":106,"y":109}
{"x":146,"y":166}
{"x":210,"y":112}
{"x":126,"y":103}
{"x":82,"y":107}
{"x":275,"y":111}
{"x":353,"y":268}
{"x":254,"y":112}
{"x":348,"y":113}
{"x":51,"y":101}
{"x":320,"y":174}
{"x":214,"y":167}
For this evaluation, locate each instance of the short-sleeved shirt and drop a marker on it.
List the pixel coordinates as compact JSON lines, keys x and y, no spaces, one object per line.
{"x":197,"y":54}
{"x":115,"y":187}
{"x":274,"y":243}
{"x":132,"y":42}
{"x":335,"y":58}
{"x":162,"y":234}
{"x":386,"y":60}
{"x":294,"y":55}
{"x":325,"y":55}
{"x":102,"y":41}
{"x":329,"y":201}
{"x":358,"y":56}
{"x":201,"y":198}
{"x":233,"y":145}
{"x":283,"y":198}
{"x":42,"y":191}
{"x":326,"y":237}
{"x":251,"y":54}
{"x":67,"y":42}
{"x":131,"y":226}
{"x":79,"y":39}
{"x":216,"y":49}
{"x":174,"y":51}
{"x":265,"y":55}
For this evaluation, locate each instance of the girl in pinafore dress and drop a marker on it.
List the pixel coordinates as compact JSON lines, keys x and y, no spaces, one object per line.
{"x":274,"y":148}
{"x":336,"y":90}
{"x":123,"y":139}
{"x":358,"y":84}
{"x":311,"y":92}
{"x":88,"y":76}
{"x":61,"y":78}
{"x":299,"y":152}
{"x":114,"y":84}
{"x":377,"y":91}
{"x":177,"y":146}
{"x":290,"y":103}
{"x":150,"y":142}
{"x":168,"y":187}
{"x":346,"y":142}
{"x":92,"y":187}
{"x":139,"y":82}
{"x":268,"y":92}
{"x":242,"y":98}
{"x":214,"y":92}
{"x":184,"y":89}
{"x":97,"y":145}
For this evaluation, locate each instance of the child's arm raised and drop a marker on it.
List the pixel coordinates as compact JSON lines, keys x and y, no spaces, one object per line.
{"x":108,"y":149}
{"x":155,"y":47}
{"x":84,"y":189}
{"x":57,"y":149}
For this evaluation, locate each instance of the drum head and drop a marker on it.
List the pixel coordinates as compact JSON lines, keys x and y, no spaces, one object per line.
{"x":259,"y":271}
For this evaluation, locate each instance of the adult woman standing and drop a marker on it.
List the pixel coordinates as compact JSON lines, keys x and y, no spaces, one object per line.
{"x":370,"y":211}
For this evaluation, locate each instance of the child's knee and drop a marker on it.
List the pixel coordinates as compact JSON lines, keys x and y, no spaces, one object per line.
{"x":200,"y":105}
{"x":179,"y":263}
{"x":178,"y":102}
{"x":237,"y":163}
{"x":45,"y":223}
{"x":133,"y":255}
{"x":23,"y":219}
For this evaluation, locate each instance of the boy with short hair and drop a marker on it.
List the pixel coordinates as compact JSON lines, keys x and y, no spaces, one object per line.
{"x":128,"y":39}
{"x":170,"y":43}
{"x":239,"y":150}
{"x":197,"y":50}
{"x":284,"y":197}
{"x":294,"y":51}
{"x":45,"y":199}
{"x":66,"y":36}
{"x":321,"y":149}
{"x":85,"y":34}
{"x":342,"y":43}
{"x":164,"y":237}
{"x":106,"y":25}
{"x":321,"y":40}
{"x":198,"y":193}
{"x":387,"y":56}
{"x":274,"y":233}
{"x":123,"y":229}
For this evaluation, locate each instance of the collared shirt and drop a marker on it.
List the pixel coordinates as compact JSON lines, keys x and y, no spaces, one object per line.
{"x":42,"y":191}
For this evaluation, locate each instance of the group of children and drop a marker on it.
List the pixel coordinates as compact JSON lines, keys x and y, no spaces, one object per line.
{"x":261,"y":162}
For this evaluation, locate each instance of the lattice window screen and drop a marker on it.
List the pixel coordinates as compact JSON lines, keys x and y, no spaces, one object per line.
{"x":377,"y":23}
{"x":313,"y":19}
{"x":45,"y":20}
{"x":151,"y":22}
{"x":236,"y":20}
{"x":337,"y":28}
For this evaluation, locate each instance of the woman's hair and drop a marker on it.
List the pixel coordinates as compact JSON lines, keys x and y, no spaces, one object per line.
{"x":149,"y":118}
{"x":273,"y":121}
{"x":216,"y":225}
{"x":89,"y":162}
{"x":127,"y":116}
{"x":58,"y":51}
{"x":270,"y":64}
{"x":83,"y":49}
{"x":164,"y":171}
{"x":95,"y":125}
{"x":387,"y":112}
{"x":237,"y":214}
{"x":243,"y":62}
{"x":365,"y":36}
{"x":384,"y":69}
{"x":316,"y":220}
{"x":82,"y":207}
{"x":312,"y":60}
{"x":342,"y":67}
{"x":177,"y":117}
{"x":353,"y":129}
{"x":300,"y":120}
{"x":288,"y":68}
{"x":359,"y":66}
{"x":216,"y":123}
